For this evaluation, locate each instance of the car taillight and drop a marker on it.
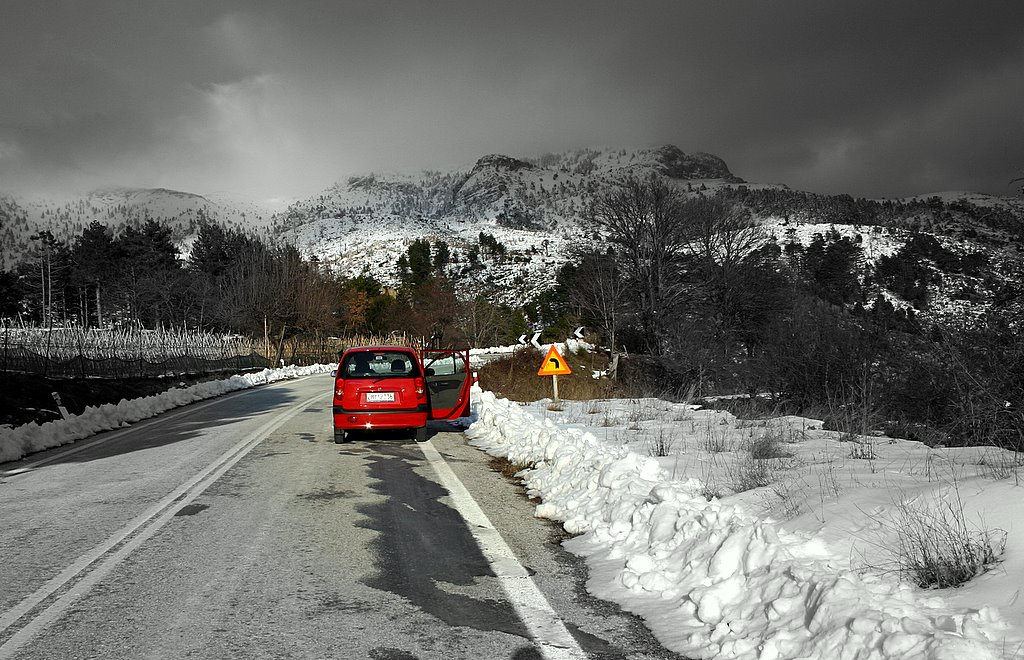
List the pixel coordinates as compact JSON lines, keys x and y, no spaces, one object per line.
{"x":421,"y":389}
{"x":339,"y":389}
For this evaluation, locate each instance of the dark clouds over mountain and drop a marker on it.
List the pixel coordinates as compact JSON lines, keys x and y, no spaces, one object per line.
{"x":273,"y":98}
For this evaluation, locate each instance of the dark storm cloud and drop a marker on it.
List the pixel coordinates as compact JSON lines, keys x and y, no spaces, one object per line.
{"x":268,"y":99}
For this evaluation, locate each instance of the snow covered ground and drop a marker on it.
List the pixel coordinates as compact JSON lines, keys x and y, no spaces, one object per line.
{"x":730,"y":556}
{"x":792,"y":555}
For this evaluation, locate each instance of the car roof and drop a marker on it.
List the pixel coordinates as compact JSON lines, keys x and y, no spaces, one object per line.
{"x":405,"y":349}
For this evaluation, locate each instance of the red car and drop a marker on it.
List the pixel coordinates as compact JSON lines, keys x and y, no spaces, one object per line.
{"x":393,"y":387}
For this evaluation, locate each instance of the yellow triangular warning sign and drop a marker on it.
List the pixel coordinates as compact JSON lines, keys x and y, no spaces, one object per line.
{"x":554,"y":364}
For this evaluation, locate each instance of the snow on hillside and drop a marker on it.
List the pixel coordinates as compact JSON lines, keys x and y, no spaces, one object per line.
{"x":536,"y":208}
{"x":959,"y":300}
{"x":876,"y":242}
{"x":978,"y":199}
{"x":356,"y":245}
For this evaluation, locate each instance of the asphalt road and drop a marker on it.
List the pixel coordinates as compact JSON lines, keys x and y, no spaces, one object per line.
{"x":237,"y":528}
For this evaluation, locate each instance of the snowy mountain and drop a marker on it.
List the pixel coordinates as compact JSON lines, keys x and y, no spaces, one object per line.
{"x":533,"y":208}
{"x":21,"y":217}
{"x":509,"y":223}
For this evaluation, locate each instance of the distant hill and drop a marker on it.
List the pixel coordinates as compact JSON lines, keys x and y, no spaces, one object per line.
{"x":116,"y":207}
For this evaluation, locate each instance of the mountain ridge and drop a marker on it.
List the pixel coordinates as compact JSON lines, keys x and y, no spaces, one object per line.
{"x":535,"y":208}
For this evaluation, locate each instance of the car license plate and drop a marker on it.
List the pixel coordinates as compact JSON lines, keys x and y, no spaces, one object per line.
{"x":379,"y":397}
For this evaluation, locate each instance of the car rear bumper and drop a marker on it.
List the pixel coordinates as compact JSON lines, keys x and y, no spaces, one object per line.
{"x":379,"y":419}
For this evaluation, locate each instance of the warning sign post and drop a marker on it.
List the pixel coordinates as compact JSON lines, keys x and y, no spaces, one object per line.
{"x":554,"y":365}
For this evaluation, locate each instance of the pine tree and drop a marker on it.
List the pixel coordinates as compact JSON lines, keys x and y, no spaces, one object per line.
{"x":91,"y":256}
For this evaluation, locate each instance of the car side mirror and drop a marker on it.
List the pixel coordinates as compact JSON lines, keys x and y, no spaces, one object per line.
{"x":334,"y":373}
{"x":429,"y":371}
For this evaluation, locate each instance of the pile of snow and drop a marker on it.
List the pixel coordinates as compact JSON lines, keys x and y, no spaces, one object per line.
{"x":32,"y":437}
{"x":711,"y":579}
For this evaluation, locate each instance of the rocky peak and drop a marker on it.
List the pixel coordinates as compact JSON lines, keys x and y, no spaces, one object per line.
{"x":676,"y":164}
{"x":499,"y":162}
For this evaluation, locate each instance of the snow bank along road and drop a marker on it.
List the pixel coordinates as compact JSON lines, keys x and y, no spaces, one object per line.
{"x":712,"y":580}
{"x":237,"y":528}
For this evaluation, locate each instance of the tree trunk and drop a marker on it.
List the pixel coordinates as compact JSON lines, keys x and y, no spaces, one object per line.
{"x":280,"y":347}
{"x":613,"y":365}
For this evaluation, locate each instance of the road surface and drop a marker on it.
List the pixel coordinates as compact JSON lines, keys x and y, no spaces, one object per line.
{"x":237,"y":528}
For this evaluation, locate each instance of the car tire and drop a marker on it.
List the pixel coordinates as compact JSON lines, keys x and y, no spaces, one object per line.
{"x":421,"y":434}
{"x":340,"y":436}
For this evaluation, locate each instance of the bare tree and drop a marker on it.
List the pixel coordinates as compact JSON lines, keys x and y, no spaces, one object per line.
{"x":481,"y":320}
{"x":644,"y":219}
{"x":718,"y":233}
{"x":681,"y":256}
{"x":731,"y":278}
{"x":602,"y":296}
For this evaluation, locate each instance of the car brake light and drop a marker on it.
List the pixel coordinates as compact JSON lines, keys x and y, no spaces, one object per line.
{"x":339,"y":389}
{"x":421,"y":389}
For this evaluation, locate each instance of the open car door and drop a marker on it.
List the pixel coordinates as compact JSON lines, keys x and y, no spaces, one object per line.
{"x":448,"y":381}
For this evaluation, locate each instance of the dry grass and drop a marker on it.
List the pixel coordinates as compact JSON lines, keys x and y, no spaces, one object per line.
{"x":750,"y":473}
{"x":1000,"y":464}
{"x":864,"y":451}
{"x":507,"y":468}
{"x":663,"y":444}
{"x":714,"y":440}
{"x":789,"y":501}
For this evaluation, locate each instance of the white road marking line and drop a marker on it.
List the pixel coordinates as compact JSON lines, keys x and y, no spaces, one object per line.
{"x":126,"y":540}
{"x":546,"y":628}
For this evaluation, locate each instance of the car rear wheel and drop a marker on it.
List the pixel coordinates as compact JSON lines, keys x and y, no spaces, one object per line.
{"x":421,"y":434}
{"x":341,"y":436}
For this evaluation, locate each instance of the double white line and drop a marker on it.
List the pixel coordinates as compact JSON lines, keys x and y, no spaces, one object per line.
{"x":86,"y":571}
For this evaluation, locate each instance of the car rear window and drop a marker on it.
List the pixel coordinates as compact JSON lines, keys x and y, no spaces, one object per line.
{"x":380,"y":364}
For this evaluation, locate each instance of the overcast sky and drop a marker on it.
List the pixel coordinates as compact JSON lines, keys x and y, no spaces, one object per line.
{"x":282,"y":98}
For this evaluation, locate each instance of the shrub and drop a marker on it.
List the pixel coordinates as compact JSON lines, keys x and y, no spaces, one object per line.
{"x":938,"y":549}
{"x":710,"y":491}
{"x":747,"y":407}
{"x":767,"y":446}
